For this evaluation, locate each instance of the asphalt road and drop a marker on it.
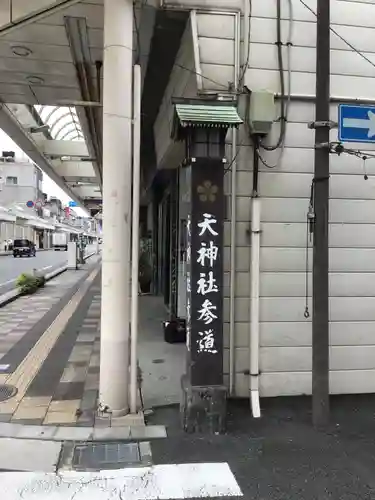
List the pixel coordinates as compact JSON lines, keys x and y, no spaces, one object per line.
{"x":280,"y":456}
{"x":46,"y":261}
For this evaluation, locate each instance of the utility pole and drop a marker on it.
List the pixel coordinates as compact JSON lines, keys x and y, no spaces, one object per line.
{"x":320,"y":320}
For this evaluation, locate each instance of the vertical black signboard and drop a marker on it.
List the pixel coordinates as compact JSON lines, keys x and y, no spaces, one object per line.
{"x":174,"y":200}
{"x":205,"y":274}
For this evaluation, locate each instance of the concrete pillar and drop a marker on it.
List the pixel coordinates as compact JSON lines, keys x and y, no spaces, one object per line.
{"x":72,"y":255}
{"x":117,"y":175}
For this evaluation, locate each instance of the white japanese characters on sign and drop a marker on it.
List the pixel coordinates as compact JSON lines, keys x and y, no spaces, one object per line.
{"x":206,"y":284}
{"x":207,"y":253}
{"x":206,"y":343}
{"x":206,"y":225}
{"x":207,"y":312}
{"x":188,"y":283}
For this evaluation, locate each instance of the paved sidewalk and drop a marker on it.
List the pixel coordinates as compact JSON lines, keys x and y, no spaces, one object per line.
{"x":162,"y":364}
{"x":50,"y":351}
{"x":38,"y":334}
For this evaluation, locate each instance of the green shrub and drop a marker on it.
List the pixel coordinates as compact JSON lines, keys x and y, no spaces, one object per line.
{"x":28,"y":284}
{"x":41,"y":281}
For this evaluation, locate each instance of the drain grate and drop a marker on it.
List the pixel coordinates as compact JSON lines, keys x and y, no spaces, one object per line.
{"x":158,"y":361}
{"x":105,"y":456}
{"x":7,"y":392}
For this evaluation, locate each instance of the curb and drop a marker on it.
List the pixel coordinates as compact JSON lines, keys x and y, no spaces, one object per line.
{"x":12,"y":295}
{"x":83,"y":434}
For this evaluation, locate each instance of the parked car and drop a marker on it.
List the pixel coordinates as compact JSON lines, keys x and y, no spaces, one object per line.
{"x":23,"y":248}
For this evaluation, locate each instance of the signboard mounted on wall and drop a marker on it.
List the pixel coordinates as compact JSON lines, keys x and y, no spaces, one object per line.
{"x":356,"y":123}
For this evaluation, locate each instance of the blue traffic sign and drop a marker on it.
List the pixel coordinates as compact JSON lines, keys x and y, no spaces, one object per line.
{"x":356,"y":123}
{"x":30,"y":204}
{"x":72,"y":203}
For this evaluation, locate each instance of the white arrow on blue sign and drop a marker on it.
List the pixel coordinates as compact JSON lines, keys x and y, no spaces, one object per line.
{"x":356,"y":123}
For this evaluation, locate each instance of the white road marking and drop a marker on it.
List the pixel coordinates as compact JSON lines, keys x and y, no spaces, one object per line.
{"x":163,"y":482}
{"x":3,"y":367}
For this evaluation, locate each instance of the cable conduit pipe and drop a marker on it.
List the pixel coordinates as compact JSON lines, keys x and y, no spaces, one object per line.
{"x":232,"y":288}
{"x":254,"y":289}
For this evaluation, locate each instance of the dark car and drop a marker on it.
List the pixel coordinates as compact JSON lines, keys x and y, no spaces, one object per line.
{"x":24,"y":248}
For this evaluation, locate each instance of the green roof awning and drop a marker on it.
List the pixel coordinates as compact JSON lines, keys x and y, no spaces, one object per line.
{"x":194,"y":115}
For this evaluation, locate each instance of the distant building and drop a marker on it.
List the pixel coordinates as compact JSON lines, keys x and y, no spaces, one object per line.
{"x":21,"y":202}
{"x":20,"y":182}
{"x":55,"y":207}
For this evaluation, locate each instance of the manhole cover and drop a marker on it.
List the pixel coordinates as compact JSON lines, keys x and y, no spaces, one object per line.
{"x":105,"y":456}
{"x":7,"y":392}
{"x":158,"y":361}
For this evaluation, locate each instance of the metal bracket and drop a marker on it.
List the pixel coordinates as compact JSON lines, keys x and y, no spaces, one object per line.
{"x":322,"y":124}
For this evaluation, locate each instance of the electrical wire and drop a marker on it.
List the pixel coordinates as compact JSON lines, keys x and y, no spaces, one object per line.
{"x":285,"y":96}
{"x":224,"y":87}
{"x":265,"y":163}
{"x":350,"y":45}
{"x":135,"y":22}
{"x":245,"y":66}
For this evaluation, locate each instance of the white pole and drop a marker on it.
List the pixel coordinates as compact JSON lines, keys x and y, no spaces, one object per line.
{"x":254,"y":306}
{"x":233,"y":224}
{"x":117,"y":153}
{"x":135,"y":237}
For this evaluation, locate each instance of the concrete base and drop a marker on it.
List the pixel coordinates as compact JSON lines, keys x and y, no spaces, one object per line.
{"x":203,"y":409}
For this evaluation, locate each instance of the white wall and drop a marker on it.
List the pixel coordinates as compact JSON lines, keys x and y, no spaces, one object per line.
{"x":26,"y":188}
{"x":285,"y":334}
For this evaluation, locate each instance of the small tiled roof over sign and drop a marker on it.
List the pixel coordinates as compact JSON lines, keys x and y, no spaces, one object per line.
{"x":198,"y":115}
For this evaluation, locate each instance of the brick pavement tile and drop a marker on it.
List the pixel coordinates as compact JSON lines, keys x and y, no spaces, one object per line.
{"x":80,"y":353}
{"x":64,"y":406}
{"x":86,"y":337}
{"x":89,"y":400}
{"x":73,"y":373}
{"x":92,"y":382}
{"x":60,"y":418}
{"x":95,"y":360}
{"x":35,"y":402}
{"x":30,"y":412}
{"x":27,"y":421}
{"x":60,"y":415}
{"x":86,"y":420}
{"x":69,"y":391}
{"x":81,"y":364}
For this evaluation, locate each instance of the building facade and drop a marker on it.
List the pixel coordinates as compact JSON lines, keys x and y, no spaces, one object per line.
{"x":226,"y":51}
{"x":21,"y":182}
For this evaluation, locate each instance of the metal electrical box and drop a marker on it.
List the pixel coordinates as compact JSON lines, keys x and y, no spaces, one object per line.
{"x":262,"y":112}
